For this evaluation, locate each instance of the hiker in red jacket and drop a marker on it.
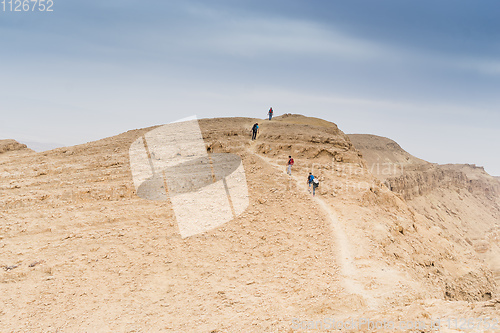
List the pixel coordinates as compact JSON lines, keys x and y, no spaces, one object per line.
{"x":289,"y":165}
{"x":270,"y":113}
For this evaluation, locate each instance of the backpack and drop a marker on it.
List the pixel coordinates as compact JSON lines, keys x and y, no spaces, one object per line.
{"x":290,"y":161}
{"x":255,"y":127}
{"x":316,"y":181}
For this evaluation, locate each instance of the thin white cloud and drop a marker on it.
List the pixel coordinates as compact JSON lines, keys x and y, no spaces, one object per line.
{"x":482,"y":66}
{"x":237,"y":33}
{"x":254,"y":37}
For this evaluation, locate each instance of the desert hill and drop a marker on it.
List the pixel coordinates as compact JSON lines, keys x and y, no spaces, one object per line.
{"x":82,"y":252}
{"x":12,"y":146}
{"x":411,"y":176}
{"x":382,"y":151}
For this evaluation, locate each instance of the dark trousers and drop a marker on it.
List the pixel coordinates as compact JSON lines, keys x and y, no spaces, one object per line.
{"x":254,"y":135}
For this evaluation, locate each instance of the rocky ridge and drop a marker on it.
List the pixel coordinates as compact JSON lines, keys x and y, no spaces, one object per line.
{"x":81,"y":251}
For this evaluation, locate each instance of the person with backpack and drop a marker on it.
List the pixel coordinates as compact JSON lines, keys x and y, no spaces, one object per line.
{"x":315,"y":185}
{"x":270,"y":113}
{"x":255,"y":131}
{"x":310,"y":179}
{"x":289,"y":165}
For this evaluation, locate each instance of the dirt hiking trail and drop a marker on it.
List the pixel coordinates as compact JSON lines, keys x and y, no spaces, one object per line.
{"x":350,"y":274}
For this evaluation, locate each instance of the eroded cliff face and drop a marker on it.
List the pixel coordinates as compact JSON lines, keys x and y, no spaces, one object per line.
{"x":461,"y":201}
{"x":411,"y":177}
{"x":422,"y":179}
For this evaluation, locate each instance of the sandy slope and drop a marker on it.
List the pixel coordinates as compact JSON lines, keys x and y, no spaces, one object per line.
{"x":81,"y":252}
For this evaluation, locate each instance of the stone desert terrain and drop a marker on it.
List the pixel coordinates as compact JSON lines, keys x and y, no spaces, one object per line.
{"x":388,"y":237}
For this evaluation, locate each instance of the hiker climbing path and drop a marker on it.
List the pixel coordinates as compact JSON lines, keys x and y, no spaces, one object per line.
{"x":350,"y":274}
{"x":376,"y":282}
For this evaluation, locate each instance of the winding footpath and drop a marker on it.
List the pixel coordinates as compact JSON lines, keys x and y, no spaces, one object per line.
{"x":351,"y":275}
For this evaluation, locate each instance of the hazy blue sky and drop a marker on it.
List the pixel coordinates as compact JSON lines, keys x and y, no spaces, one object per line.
{"x":424,"y":73}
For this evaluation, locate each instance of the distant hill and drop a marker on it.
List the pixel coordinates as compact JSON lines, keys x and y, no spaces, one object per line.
{"x":12,"y":145}
{"x":384,"y":156}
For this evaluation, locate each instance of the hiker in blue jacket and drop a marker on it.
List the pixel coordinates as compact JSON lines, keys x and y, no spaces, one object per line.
{"x":255,"y":130}
{"x":310,"y":179}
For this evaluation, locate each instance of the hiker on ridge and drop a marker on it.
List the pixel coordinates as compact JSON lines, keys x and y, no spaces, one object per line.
{"x":270,"y":113}
{"x":255,"y":131}
{"x":289,"y":165}
{"x":310,"y":179}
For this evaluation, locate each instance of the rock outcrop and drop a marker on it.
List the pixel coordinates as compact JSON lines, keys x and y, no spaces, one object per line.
{"x":410,"y":176}
{"x":11,"y":145}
